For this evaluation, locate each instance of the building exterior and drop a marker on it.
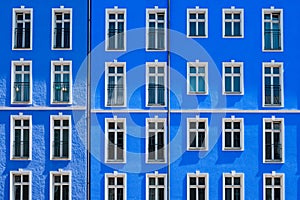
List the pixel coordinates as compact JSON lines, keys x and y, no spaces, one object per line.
{"x":42,"y":100}
{"x":194,"y":99}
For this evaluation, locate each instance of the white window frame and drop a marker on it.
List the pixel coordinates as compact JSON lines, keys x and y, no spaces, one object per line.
{"x":156,"y":175}
{"x":61,"y":62}
{"x":115,"y":64}
{"x":156,"y":64}
{"x":282,"y":186}
{"x":115,"y":120}
{"x":206,"y":131}
{"x":198,"y":175}
{"x":197,"y":64}
{"x":62,"y":10}
{"x":232,"y":11}
{"x":155,"y":11}
{"x":115,"y":11}
{"x":23,"y":10}
{"x":60,"y":172}
{"x":233,"y":64}
{"x":197,"y":11}
{"x":60,"y":117}
{"x":270,"y":11}
{"x":156,"y":120}
{"x":20,"y":172}
{"x":282,"y":137}
{"x":232,"y":120}
{"x":22,"y":63}
{"x":233,"y":175}
{"x":116,"y":175}
{"x":12,"y":135}
{"x":273,"y":64}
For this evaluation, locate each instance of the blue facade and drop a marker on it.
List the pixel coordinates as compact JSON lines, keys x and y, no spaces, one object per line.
{"x":39,"y":103}
{"x":254,"y":104}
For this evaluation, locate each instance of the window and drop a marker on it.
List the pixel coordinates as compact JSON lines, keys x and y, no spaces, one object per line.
{"x":62,"y":28}
{"x":115,"y":29}
{"x":197,"y":77}
{"x":273,"y":84}
{"x":20,"y":185}
{"x":21,"y":82}
{"x":22,"y":28}
{"x":115,"y":140}
{"x":61,"y":139}
{"x":233,"y":23}
{"x":115,"y":186}
{"x":233,"y":134}
{"x":233,"y":78}
{"x":60,"y":188}
{"x":273,"y":138}
{"x":197,"y":22}
{"x":20,"y":137}
{"x":273,"y":186}
{"x":156,"y":29}
{"x":156,"y":83}
{"x":115,"y":84}
{"x":272,"y":29}
{"x":233,"y":186}
{"x":61,"y":79}
{"x":197,"y":130}
{"x":197,"y":186}
{"x":156,"y":186}
{"x":155,"y":140}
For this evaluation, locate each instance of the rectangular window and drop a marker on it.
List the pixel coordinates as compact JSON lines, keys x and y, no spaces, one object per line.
{"x":62,"y":28}
{"x":156,"y":187}
{"x":197,"y":186}
{"x":22,"y":28}
{"x":197,"y":77}
{"x":156,"y":29}
{"x":60,"y":185}
{"x":156,"y":140}
{"x":273,"y":186}
{"x":20,"y":137}
{"x":61,"y":135}
{"x":273,"y":140}
{"x":197,"y":130}
{"x":272,"y":29}
{"x":61,"y":79}
{"x":233,"y":134}
{"x":115,"y":83}
{"x":115,"y":29}
{"x":115,"y":186}
{"x":273,"y":84}
{"x":20,"y":187}
{"x":156,"y":83}
{"x":197,"y":24}
{"x":21,"y":82}
{"x":115,"y":140}
{"x":233,"y":78}
{"x":233,"y":23}
{"x":233,"y":186}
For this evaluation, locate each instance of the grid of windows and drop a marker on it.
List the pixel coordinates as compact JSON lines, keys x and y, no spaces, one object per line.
{"x":115,"y":29}
{"x":115,"y":140}
{"x":156,"y":187}
{"x":233,"y":186}
{"x":20,"y":137}
{"x":197,"y":77}
{"x":233,"y":134}
{"x":273,"y":186}
{"x":156,"y":140}
{"x":197,"y":24}
{"x":60,"y":188}
{"x":233,"y":78}
{"x":61,"y":137}
{"x":197,"y":186}
{"x":197,"y":133}
{"x":233,"y":24}
{"x":115,"y":186}
{"x":20,"y":185}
